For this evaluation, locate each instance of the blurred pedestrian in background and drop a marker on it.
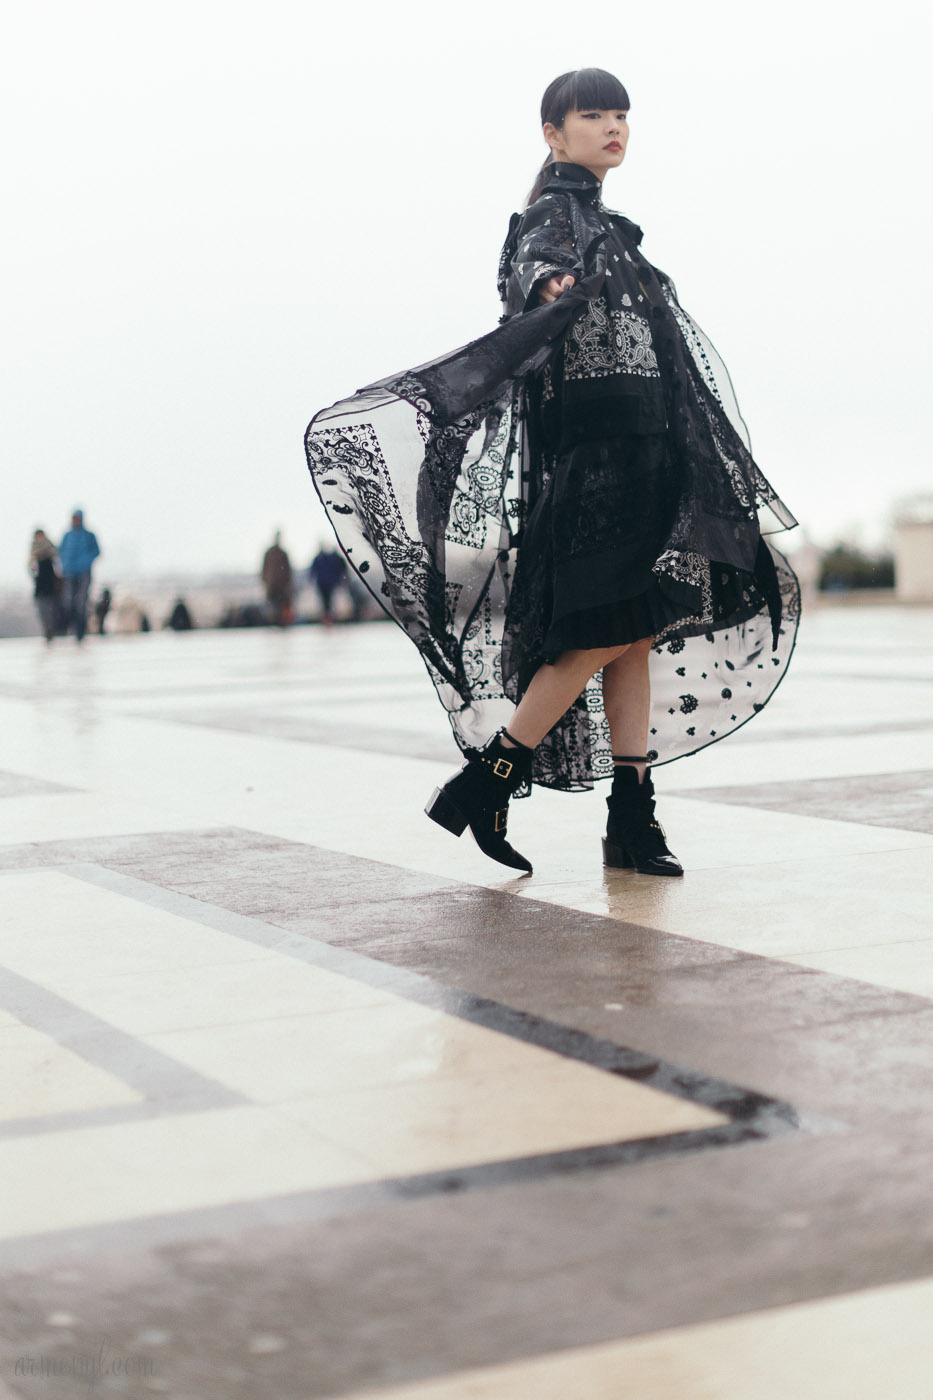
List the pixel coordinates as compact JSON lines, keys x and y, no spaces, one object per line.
{"x":180,"y":618}
{"x":47,"y":582}
{"x":277,"y":577}
{"x":76,"y":553}
{"x":327,"y":572}
{"x":102,"y":608}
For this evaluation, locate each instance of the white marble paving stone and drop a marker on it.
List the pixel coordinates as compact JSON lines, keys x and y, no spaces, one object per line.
{"x":705,"y":836}
{"x":75,"y":816}
{"x":174,"y":998}
{"x":798,"y":759}
{"x":41,"y":1077}
{"x":91,"y":1176}
{"x":55,"y":930}
{"x":875,"y":1345}
{"x":348,"y":1051}
{"x":780,"y":910}
{"x":904,"y":967}
{"x":434,"y":1125}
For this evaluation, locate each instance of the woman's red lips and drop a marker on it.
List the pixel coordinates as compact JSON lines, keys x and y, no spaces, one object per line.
{"x":613,"y":146}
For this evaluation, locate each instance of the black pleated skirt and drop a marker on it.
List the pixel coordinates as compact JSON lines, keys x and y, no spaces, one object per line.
{"x":585,"y":572}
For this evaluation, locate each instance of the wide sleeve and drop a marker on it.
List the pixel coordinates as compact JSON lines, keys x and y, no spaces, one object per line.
{"x":540,"y":245}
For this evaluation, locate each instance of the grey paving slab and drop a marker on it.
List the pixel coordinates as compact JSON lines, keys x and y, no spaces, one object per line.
{"x":903,"y":800}
{"x":300,"y":883}
{"x":280,"y":724}
{"x":21,"y":785}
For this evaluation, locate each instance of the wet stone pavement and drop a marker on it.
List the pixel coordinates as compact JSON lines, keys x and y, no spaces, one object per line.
{"x":305,"y":1098}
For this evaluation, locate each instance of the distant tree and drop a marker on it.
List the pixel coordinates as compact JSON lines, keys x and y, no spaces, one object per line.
{"x":844,"y":566}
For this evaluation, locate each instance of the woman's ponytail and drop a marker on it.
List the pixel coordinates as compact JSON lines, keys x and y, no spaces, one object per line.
{"x":541,"y":180}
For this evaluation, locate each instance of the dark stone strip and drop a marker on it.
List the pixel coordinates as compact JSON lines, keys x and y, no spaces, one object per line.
{"x":165,"y":1083}
{"x":902,"y":800}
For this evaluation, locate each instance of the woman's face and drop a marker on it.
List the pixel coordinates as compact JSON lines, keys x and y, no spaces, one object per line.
{"x":590,"y":137}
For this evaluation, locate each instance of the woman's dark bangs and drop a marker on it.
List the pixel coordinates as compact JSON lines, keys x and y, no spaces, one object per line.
{"x":595,"y":89}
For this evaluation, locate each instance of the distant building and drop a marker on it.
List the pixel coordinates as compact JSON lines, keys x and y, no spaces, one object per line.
{"x":913,"y":550}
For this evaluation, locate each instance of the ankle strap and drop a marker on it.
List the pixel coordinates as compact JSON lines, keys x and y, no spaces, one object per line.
{"x":628,"y":758}
{"x":516,"y":742}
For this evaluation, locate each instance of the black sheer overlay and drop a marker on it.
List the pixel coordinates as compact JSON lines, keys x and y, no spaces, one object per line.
{"x":580,"y":474}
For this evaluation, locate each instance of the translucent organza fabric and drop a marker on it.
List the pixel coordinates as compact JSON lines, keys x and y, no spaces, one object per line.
{"x":429,"y":477}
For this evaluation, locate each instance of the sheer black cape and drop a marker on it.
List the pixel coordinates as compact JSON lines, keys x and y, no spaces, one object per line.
{"x":428,"y":476}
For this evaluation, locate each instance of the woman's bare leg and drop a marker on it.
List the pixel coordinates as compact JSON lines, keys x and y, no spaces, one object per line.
{"x":627,"y":700}
{"x":553,"y":690}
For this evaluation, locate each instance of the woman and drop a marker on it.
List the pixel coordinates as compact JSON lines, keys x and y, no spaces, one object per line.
{"x":47,"y":584}
{"x":565,"y":515}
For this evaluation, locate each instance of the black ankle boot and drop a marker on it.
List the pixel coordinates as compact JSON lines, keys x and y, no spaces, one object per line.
{"x":478,"y":797}
{"x":634,"y":837}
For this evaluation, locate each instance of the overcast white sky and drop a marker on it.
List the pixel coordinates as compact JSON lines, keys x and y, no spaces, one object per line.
{"x":223,"y":216}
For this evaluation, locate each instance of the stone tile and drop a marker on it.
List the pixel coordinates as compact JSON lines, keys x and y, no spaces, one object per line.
{"x":53,"y":925}
{"x":343,"y":1053}
{"x":296,"y":883}
{"x":138,"y":1169}
{"x":435,"y":1125}
{"x":795,"y":907}
{"x":253,"y":990}
{"x":20,"y":785}
{"x":903,"y":800}
{"x":69,"y":814}
{"x":810,"y":1349}
{"x":905,"y":967}
{"x":800,"y":759}
{"x":41,"y":1077}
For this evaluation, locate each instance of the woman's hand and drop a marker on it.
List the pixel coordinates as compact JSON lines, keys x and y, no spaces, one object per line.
{"x":552,"y":288}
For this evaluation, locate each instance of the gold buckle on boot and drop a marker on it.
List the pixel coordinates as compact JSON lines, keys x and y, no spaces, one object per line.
{"x":502,"y":819}
{"x":502,"y":767}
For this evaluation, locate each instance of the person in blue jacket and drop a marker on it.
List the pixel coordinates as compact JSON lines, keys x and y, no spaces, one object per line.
{"x":76,"y":555}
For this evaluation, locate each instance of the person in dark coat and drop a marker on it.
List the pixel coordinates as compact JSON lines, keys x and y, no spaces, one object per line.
{"x":277,"y":577}
{"x":101,"y":609}
{"x":327,"y":572}
{"x":180,"y":618}
{"x":47,"y":584}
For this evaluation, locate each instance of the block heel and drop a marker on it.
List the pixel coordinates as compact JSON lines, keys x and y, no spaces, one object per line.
{"x":616,"y":856}
{"x":441,"y":810}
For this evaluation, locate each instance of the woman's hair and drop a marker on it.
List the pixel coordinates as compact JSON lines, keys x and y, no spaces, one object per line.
{"x":582,"y":90}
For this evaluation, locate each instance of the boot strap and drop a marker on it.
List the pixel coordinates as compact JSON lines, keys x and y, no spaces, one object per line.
{"x":630,"y":758}
{"x":502,"y":767}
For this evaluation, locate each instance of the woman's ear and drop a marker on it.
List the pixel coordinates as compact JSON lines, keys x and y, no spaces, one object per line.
{"x":552,"y":135}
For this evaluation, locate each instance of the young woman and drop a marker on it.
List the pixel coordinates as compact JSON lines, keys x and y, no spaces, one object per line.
{"x":46,"y":582}
{"x":565,"y":515}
